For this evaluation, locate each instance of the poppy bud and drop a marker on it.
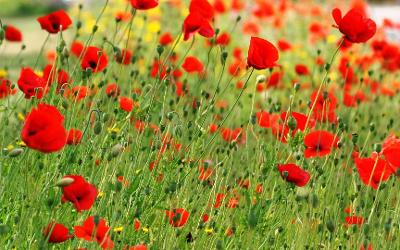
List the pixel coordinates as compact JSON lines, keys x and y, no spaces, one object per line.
{"x":160,"y":49}
{"x":330,"y":226}
{"x":354,"y":138}
{"x":15,"y":152}
{"x":314,"y":200}
{"x":64,"y":182}
{"x":78,"y":25}
{"x":224,"y":55}
{"x":377,"y":147}
{"x":95,"y":28}
{"x":96,"y":220}
{"x":2,"y":34}
{"x":97,"y":128}
{"x":371,"y":127}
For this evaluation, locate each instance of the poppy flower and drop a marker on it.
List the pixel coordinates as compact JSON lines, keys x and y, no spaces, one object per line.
{"x":373,"y":170}
{"x":166,"y":39}
{"x":95,"y":231}
{"x":193,"y":23}
{"x":77,"y":48}
{"x":56,"y":233}
{"x":319,"y":143}
{"x":233,"y":135}
{"x":302,"y":69}
{"x":137,"y":247}
{"x":43,"y":129}
{"x":54,"y":22}
{"x":94,"y":59}
{"x":178,"y":217}
{"x":77,"y":93}
{"x":262,"y":54}
{"x":203,"y":7}
{"x":294,"y":174}
{"x":32,"y":84}
{"x":74,"y":136}
{"x":223,"y":39}
{"x":112,"y":90}
{"x":125,"y":57}
{"x":82,"y":194}
{"x":126,"y":104}
{"x":324,"y":106}
{"x":50,"y":74}
{"x":355,"y":26}
{"x":192,"y":65}
{"x":284,"y":45}
{"x":391,"y":151}
{"x":6,"y":88}
{"x":12,"y":34}
{"x":354,"y":220}
{"x":144,"y":4}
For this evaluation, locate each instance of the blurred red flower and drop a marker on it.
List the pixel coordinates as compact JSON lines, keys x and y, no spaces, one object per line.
{"x":178,"y":217}
{"x":12,"y":34}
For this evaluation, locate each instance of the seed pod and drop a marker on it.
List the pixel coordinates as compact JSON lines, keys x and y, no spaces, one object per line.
{"x":116,"y":150}
{"x":97,"y":128}
{"x":330,"y":226}
{"x":15,"y":152}
{"x":64,"y":182}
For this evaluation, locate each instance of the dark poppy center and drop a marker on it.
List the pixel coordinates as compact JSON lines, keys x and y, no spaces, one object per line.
{"x":93,"y":64}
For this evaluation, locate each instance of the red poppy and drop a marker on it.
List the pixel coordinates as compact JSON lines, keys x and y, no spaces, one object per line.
{"x":294,"y":174}
{"x":94,"y":59}
{"x":218,"y":200}
{"x":56,"y":233}
{"x":262,"y":54}
{"x":203,"y":7}
{"x":193,"y":23}
{"x":43,"y":129}
{"x":219,"y":6}
{"x":177,"y":217}
{"x":50,"y":73}
{"x":113,"y":90}
{"x":324,"y":106}
{"x":12,"y":34}
{"x":6,"y":88}
{"x":284,"y":45}
{"x":54,"y":22}
{"x":137,"y":247}
{"x":391,"y":151}
{"x":233,"y":135}
{"x":82,"y":194}
{"x":354,"y":220}
{"x":156,"y":71}
{"x":302,"y":69}
{"x":95,"y":230}
{"x":125,"y":57}
{"x":192,"y":65}
{"x":32,"y":84}
{"x":223,"y":39}
{"x":78,"y":93}
{"x":77,"y":48}
{"x":319,"y":143}
{"x":166,"y":39}
{"x":144,"y":4}
{"x":126,"y":104}
{"x":74,"y":136}
{"x":355,"y":26}
{"x":373,"y":170}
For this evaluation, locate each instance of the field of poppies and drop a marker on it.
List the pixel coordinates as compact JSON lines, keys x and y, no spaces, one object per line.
{"x":200,"y":124}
